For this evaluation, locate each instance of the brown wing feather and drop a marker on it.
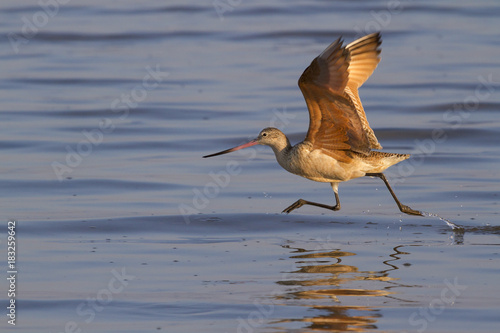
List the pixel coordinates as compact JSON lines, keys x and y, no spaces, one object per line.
{"x":334,"y":122}
{"x":329,"y":69}
{"x":365,"y":56}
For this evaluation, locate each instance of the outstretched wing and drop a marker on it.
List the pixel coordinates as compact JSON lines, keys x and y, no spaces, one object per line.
{"x":365,"y":56}
{"x":334,"y":121}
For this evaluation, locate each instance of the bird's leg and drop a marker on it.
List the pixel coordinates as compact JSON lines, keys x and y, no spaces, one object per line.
{"x":301,"y":202}
{"x":403,"y":208}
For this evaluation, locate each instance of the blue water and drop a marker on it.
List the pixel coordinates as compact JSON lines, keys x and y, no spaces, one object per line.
{"x":123,"y":227}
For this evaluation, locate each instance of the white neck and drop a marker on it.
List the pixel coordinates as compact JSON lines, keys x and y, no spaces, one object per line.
{"x":281,"y":150}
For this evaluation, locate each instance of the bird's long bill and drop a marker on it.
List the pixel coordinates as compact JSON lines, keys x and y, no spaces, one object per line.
{"x":245,"y":145}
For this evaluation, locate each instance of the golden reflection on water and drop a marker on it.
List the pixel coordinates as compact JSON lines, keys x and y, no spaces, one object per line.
{"x":321,"y":282}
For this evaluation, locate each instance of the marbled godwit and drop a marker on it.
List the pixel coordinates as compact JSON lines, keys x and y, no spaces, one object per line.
{"x":338,"y":145}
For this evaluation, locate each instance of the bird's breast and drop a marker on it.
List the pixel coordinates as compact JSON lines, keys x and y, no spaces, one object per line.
{"x":313,"y":164}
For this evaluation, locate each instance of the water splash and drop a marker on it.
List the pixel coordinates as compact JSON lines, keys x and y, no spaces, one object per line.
{"x":455,"y":227}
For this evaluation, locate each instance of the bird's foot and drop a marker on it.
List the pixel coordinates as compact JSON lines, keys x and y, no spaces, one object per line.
{"x":301,"y":202}
{"x":407,"y":210}
{"x":297,"y":204}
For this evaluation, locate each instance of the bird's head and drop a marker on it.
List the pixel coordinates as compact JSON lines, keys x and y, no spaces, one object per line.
{"x":269,"y":136}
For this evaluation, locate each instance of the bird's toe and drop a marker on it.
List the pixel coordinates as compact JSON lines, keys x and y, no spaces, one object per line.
{"x":409,"y":211}
{"x":295,"y":205}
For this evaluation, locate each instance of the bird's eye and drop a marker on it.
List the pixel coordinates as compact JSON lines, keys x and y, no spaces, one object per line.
{"x":264,"y":134}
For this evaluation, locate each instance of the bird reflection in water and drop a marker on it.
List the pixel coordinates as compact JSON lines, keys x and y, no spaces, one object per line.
{"x":322,"y":283}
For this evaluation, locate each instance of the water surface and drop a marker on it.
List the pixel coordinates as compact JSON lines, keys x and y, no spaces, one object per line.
{"x":122,"y":226}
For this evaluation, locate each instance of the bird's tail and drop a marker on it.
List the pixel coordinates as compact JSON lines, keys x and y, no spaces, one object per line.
{"x":381,"y":160}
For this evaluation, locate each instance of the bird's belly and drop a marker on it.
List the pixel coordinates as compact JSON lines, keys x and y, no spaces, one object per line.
{"x":317,"y":166}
